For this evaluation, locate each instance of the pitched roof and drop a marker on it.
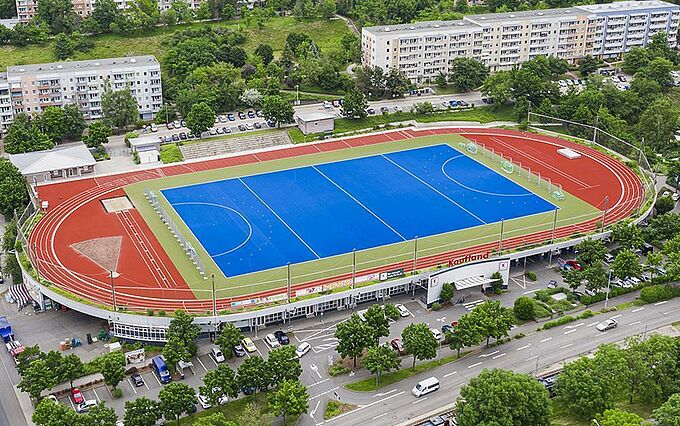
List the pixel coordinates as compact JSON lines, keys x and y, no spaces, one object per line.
{"x":53,"y":159}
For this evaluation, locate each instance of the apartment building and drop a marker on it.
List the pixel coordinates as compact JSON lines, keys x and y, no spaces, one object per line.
{"x":32,"y":88}
{"x":502,"y":40}
{"x":27,"y":9}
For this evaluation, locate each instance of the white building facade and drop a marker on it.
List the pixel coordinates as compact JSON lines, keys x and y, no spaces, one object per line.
{"x":502,"y":40}
{"x":32,"y":88}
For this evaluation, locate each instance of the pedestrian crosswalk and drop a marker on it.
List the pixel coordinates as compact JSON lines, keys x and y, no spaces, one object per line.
{"x":471,"y":305}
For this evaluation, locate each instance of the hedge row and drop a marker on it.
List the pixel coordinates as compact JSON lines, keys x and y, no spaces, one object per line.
{"x":658,"y":293}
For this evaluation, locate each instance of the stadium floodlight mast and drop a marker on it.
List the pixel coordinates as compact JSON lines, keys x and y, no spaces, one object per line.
{"x":415,"y":254}
{"x":113,"y":274}
{"x":500,"y":239}
{"x":604,"y":212}
{"x":354,"y":267}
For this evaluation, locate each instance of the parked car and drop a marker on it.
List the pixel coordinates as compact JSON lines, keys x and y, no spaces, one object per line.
{"x":231,"y":117}
{"x":241,"y":115}
{"x":398,"y":346}
{"x":177,"y":124}
{"x":248,"y":390}
{"x":175,"y":137}
{"x":249,"y":126}
{"x":183,"y":136}
{"x":227,"y":130}
{"x":336,"y":103}
{"x":436,"y":333}
{"x":397,"y":108}
{"x":271,"y":123}
{"x":327,"y":105}
{"x":402,"y":310}
{"x":219,"y":130}
{"x":281,"y":337}
{"x":154,"y":127}
{"x":607,"y":324}
{"x":77,"y":396}
{"x":216,"y":354}
{"x":384,"y":110}
{"x":239,"y":351}
{"x":242,"y":128}
{"x":203,"y":400}
{"x":302,"y":349}
{"x":270,"y":339}
{"x":85,"y":406}
{"x":251,"y":114}
{"x":608,"y":258}
{"x":259,"y":113}
{"x":169,"y":126}
{"x":552,"y":284}
{"x":370,"y":111}
{"x":446,"y":328}
{"x":574,"y":264}
{"x":248,"y":344}
{"x":137,"y":380}
{"x":212,"y":131}
{"x":257,"y":125}
{"x":222,"y":118}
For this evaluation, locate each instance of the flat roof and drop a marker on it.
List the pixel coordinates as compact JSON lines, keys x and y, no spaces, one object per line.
{"x":58,"y":158}
{"x":314,"y":116}
{"x":422,"y":27}
{"x":95,"y":64}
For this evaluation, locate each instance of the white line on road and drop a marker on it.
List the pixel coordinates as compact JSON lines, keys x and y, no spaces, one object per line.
{"x":450,"y":374}
{"x":315,"y":408}
{"x":365,"y":406}
{"x":530,"y":359}
{"x":378,"y":395}
{"x":419,"y":400}
{"x":661,"y":303}
{"x":132,"y":387}
{"x":570,"y":331}
{"x":212,"y":359}
{"x":489,"y":354}
{"x":201,"y":362}
{"x":257,"y":349}
{"x":592,"y":324}
{"x":315,"y":369}
{"x":475,"y":365}
{"x":319,"y":382}
{"x":524,"y":347}
{"x":638,"y":309}
{"x":616,"y":316}
{"x":380,"y":415}
{"x":636,"y":322}
{"x":498,"y":356}
{"x":324,"y":393}
{"x":546,"y":339}
{"x":567,"y":345}
{"x":529,"y":291}
{"x":155,"y":377}
{"x":574,"y":326}
{"x":95,"y":395}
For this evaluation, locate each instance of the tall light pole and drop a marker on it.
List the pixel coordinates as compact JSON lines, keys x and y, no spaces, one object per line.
{"x":609,"y":282}
{"x":354,"y":267}
{"x":500,"y":239}
{"x":297,"y":94}
{"x":415,"y":254}
{"x":112,"y":275}
{"x":288,"y":281}
{"x":604,"y":212}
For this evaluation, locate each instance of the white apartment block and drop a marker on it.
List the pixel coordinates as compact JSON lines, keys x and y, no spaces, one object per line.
{"x":32,"y":88}
{"x":27,"y":9}
{"x":502,"y":40}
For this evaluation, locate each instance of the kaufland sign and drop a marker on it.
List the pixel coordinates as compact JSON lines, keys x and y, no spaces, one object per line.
{"x":469,"y":258}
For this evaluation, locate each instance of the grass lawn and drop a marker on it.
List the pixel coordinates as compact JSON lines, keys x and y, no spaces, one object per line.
{"x":562,"y":417}
{"x":234,"y":409}
{"x":170,"y":153}
{"x":480,"y":114}
{"x":325,"y":33}
{"x":369,"y":384}
{"x":335,"y":408}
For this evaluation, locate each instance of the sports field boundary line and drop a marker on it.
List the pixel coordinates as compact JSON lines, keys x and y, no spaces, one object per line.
{"x":434,"y":189}
{"x":360,"y":203}
{"x":493,"y":194}
{"x":278,"y":217}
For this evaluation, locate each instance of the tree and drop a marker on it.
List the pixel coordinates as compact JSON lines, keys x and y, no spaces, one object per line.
{"x":25,"y":136}
{"x":381,"y":359}
{"x":391,"y":312}
{"x":104,"y":14}
{"x":283,"y":364}
{"x":498,"y":86}
{"x":327,"y":8}
{"x":353,"y":335}
{"x":668,"y":414}
{"x":419,"y":342}
{"x":229,"y":337}
{"x":664,"y":205}
{"x":58,"y":15}
{"x":265,"y":52}
{"x":466,"y":334}
{"x":63,"y":46}
{"x":627,"y":264}
{"x":70,"y":368}
{"x":524,"y":308}
{"x":659,"y":70}
{"x":635,"y":60}
{"x":502,"y":397}
{"x":101,"y":415}
{"x":354,"y":105}
{"x":219,"y":382}
{"x":289,"y":399}
{"x":447,"y":293}
{"x":467,"y":73}
{"x":74,"y":122}
{"x":275,"y":108}
{"x":13,"y":192}
{"x":596,"y":276}
{"x":253,"y":414}
{"x":119,"y":107}
{"x":251,"y":97}
{"x":616,"y":417}
{"x":253,"y":373}
{"x":215,"y":419}
{"x":176,"y":399}
{"x":627,"y":234}
{"x":200,"y":118}
{"x":377,"y":320}
{"x":7,"y":9}
{"x":591,"y":251}
{"x":493,"y":319}
{"x":658,"y":122}
{"x":112,"y":368}
{"x":97,"y":134}
{"x":587,"y":65}
{"x":50,"y":413}
{"x":142,"y":412}
{"x":36,"y":378}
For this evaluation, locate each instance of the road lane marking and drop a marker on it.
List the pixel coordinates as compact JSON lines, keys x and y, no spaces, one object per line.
{"x":212,"y":359}
{"x":574,"y":326}
{"x":95,"y":395}
{"x":315,"y":369}
{"x":531,"y":359}
{"x":201,"y":362}
{"x":450,"y":374}
{"x":315,"y":408}
{"x":661,"y":303}
{"x":546,"y":339}
{"x":361,"y":407}
{"x":475,"y":365}
{"x":319,"y":382}
{"x":418,"y":400}
{"x":377,"y":395}
{"x":380,"y":415}
{"x":324,"y":393}
{"x":570,"y":331}
{"x":592,"y":324}
{"x":159,"y":382}
{"x":489,"y":354}
{"x":132,"y":387}
{"x":524,"y":347}
{"x":529,"y":291}
{"x":636,"y":322}
{"x":616,"y":316}
{"x":638,"y":309}
{"x":498,"y":356}
{"x":567,"y":345}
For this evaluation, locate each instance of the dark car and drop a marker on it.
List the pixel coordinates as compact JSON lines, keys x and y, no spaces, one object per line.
{"x":251,"y":114}
{"x":175,"y":137}
{"x":137,"y":380}
{"x":248,"y":390}
{"x":257,"y":125}
{"x":231,"y":117}
{"x":259,"y":113}
{"x":239,"y":351}
{"x":398,"y":346}
{"x":446,"y":328}
{"x":370,"y":111}
{"x":282,"y":337}
{"x":271,"y":123}
{"x":241,"y":115}
{"x":242,"y":128}
{"x":183,"y":136}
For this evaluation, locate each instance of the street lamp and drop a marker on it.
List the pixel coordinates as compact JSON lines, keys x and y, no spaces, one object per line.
{"x":609,"y":282}
{"x":112,"y":275}
{"x":297,"y":94}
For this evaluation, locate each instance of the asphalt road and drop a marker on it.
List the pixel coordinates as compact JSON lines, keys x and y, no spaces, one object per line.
{"x":395,"y":404}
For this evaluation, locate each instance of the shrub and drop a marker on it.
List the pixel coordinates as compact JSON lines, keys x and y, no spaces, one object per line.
{"x":542,"y":295}
{"x":150,"y":312}
{"x":524,"y":308}
{"x":658,"y":292}
{"x":531,"y":275}
{"x":337,"y":370}
{"x":586,"y":314}
{"x":161,"y":313}
{"x":436,"y":306}
{"x":519,"y":335}
{"x":117,"y":393}
{"x":558,"y":322}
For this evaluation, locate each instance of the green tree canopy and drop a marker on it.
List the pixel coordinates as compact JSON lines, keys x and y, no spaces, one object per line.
{"x":381,"y":359}
{"x":467,"y":73}
{"x":502,"y":397}
{"x":50,"y":413}
{"x":283,"y":364}
{"x":616,"y":417}
{"x":112,"y":367}
{"x":524,"y":308}
{"x":176,"y":399}
{"x":219,"y":382}
{"x":290,"y":399}
{"x":142,"y":412}
{"x":447,"y":293}
{"x":493,"y":319}
{"x":378,"y":322}
{"x":25,"y":135}
{"x":119,"y":107}
{"x":668,"y":414}
{"x":627,"y":264}
{"x":97,"y":134}
{"x":590,"y":251}
{"x":419,"y":342}
{"x":200,"y":118}
{"x":627,"y":234}
{"x":254,"y":373}
{"x":277,"y":109}
{"x":228,"y":337}
{"x":353,"y":335}
{"x":13,"y":191}
{"x":354,"y":105}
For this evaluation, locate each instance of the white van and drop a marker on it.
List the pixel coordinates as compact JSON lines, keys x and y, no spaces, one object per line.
{"x":425,"y":386}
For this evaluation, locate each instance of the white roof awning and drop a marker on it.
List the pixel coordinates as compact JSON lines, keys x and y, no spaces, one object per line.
{"x":472,"y":282}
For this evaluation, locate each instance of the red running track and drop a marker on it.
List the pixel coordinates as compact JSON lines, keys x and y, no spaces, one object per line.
{"x":149,"y":280}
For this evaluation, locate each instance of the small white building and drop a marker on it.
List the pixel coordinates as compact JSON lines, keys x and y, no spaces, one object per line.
{"x":53,"y":164}
{"x":148,"y":148}
{"x":316,"y":122}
